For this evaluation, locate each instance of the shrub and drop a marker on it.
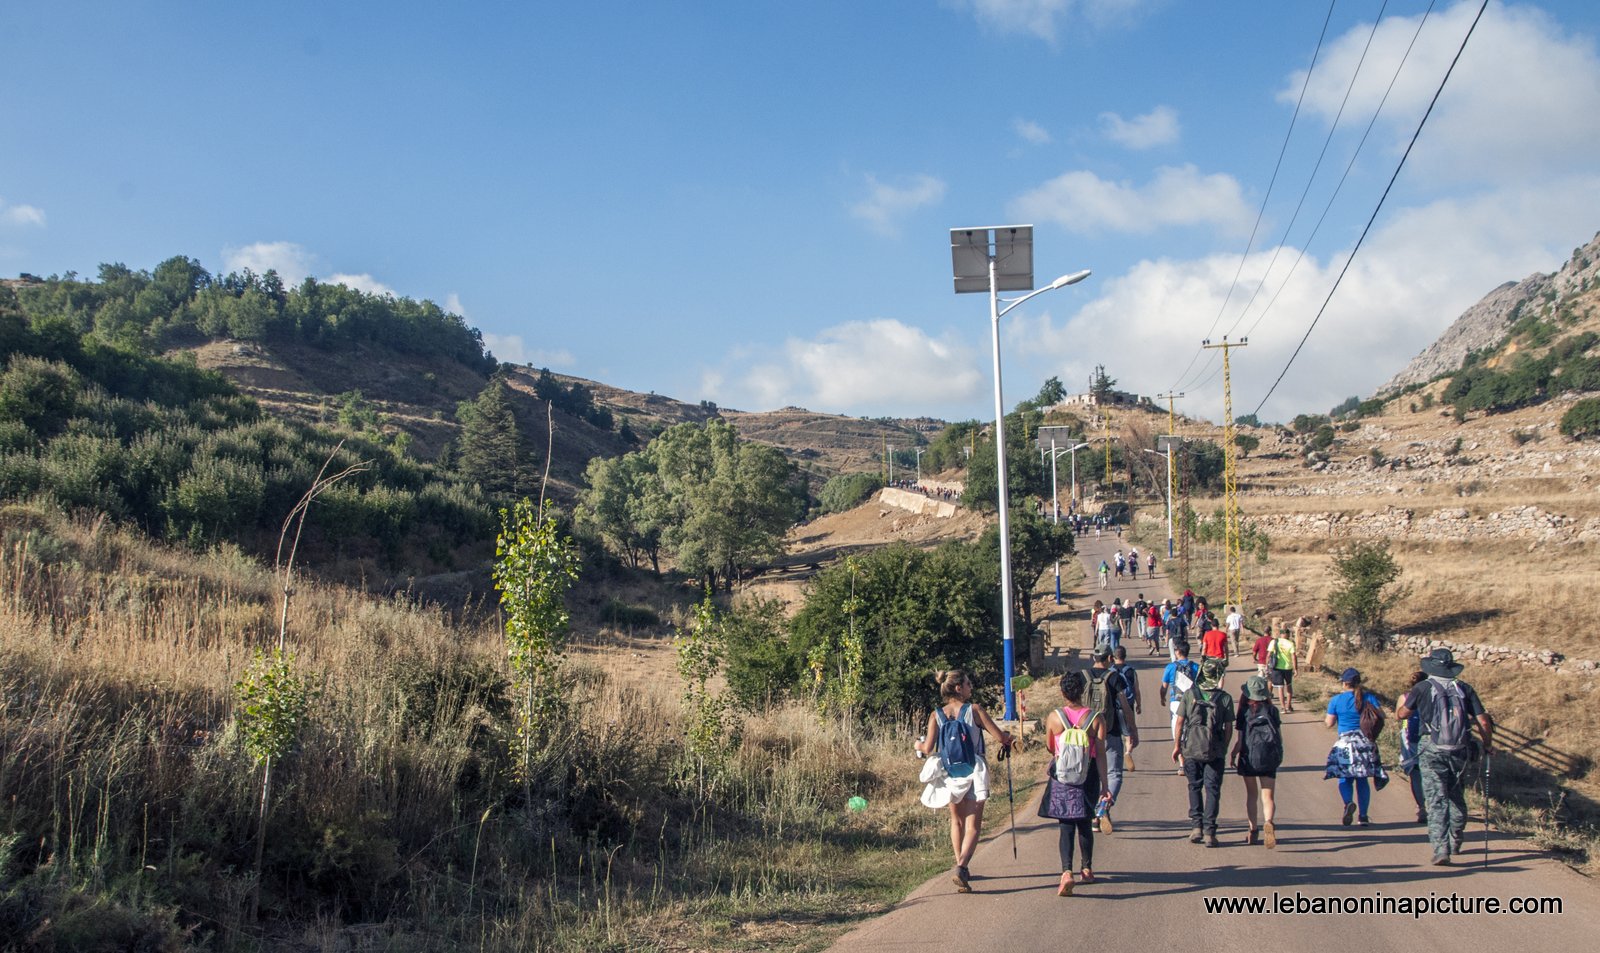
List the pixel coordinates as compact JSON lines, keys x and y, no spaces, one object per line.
{"x":1367,"y":575}
{"x":1582,"y":419}
{"x":847,"y":491}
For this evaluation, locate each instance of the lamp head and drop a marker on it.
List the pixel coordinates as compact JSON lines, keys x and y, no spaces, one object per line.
{"x":1071,"y":279}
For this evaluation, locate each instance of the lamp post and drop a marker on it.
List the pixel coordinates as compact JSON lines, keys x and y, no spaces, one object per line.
{"x":920,"y":452}
{"x":995,"y":259}
{"x":1166,"y":444}
{"x":1074,"y":452}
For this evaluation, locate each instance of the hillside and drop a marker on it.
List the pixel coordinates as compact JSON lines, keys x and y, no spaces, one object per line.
{"x":1566,"y":299}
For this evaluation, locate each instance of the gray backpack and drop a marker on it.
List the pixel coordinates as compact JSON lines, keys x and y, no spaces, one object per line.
{"x":1447,"y":720}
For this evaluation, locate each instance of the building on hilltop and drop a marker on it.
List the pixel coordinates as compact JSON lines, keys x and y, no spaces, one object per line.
{"x":1111,"y":398}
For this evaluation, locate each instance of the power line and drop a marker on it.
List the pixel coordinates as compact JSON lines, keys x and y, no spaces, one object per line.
{"x":1347,"y":169}
{"x":1315,"y":168}
{"x":1381,"y":199}
{"x":1261,"y":213}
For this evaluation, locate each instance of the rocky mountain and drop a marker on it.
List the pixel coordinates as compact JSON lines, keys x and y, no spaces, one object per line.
{"x":1486,"y":324}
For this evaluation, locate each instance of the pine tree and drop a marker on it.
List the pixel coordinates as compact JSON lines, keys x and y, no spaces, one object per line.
{"x":490,"y":450}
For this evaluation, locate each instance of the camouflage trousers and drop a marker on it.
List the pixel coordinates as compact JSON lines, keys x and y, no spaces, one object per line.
{"x":1444,"y":795}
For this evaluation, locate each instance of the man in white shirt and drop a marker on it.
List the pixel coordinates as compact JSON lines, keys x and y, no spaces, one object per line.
{"x":1235,"y":624}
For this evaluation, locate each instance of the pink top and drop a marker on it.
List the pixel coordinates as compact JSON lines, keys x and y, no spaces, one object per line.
{"x":1073,"y":718}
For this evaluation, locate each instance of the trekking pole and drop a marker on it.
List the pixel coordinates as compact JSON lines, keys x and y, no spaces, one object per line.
{"x":1486,"y":757}
{"x":1011,"y":799}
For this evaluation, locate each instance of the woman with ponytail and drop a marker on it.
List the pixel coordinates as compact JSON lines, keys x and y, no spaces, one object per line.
{"x":955,"y":735}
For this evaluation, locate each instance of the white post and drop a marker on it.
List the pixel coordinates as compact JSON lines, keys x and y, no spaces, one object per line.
{"x":1006,"y":630}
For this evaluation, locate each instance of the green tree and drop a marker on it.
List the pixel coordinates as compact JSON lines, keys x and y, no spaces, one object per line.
{"x":915,"y":610}
{"x":1367,"y":587}
{"x":1025,"y":475}
{"x":1036,"y":544}
{"x":1101,"y":384}
{"x":1582,"y":419}
{"x":534,"y":566}
{"x":1246,"y":442}
{"x":623,"y":505}
{"x":489,"y":450}
{"x":848,"y":490}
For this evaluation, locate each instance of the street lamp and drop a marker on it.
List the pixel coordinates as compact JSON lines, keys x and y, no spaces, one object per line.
{"x":1074,"y":452}
{"x":1166,"y":444}
{"x":920,"y":452}
{"x":996,"y":259}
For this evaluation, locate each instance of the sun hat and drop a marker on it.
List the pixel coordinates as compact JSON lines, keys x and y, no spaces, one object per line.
{"x":1441,"y":663}
{"x":1255,"y":689}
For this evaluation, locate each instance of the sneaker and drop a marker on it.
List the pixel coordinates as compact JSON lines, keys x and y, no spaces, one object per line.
{"x":1270,"y":836}
{"x":1441,"y":858}
{"x":1197,"y":836}
{"x":1211,"y":840}
{"x":1064,"y":889}
{"x":1422,"y":817}
{"x":961,"y":882}
{"x":1364,"y":821}
{"x":1105,"y":824}
{"x":1349,"y":813}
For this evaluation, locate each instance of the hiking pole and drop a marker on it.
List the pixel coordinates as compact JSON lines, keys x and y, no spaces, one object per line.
{"x":1486,"y":757}
{"x":1011,"y":799}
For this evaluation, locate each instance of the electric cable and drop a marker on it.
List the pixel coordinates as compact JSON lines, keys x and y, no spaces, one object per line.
{"x":1381,"y":199}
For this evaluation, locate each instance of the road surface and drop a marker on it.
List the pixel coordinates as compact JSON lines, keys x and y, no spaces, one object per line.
{"x":1154,"y":884}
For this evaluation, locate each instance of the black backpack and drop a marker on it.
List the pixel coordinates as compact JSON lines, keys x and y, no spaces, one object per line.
{"x":1202,"y":727}
{"x":1102,"y":699}
{"x":1263,"y":740}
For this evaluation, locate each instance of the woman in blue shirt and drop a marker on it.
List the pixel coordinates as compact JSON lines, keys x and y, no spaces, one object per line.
{"x":1354,"y":757}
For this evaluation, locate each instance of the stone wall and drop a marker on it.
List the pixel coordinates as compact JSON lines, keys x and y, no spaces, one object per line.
{"x":1449,"y":524}
{"x":1420,"y":645}
{"x":916,"y":503}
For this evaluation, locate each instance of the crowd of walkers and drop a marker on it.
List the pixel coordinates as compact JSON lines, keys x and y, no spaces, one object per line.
{"x":1091,"y":737}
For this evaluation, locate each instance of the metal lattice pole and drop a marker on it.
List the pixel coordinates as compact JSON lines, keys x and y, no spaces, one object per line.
{"x":1233,"y":568}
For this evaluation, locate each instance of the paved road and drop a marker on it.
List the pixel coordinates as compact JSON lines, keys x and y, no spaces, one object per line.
{"x":1153,"y":881}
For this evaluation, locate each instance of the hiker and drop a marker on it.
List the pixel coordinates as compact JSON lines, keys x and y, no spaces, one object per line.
{"x":1105,"y":620}
{"x":1204,"y":726}
{"x":1153,"y":628}
{"x":1141,"y":615}
{"x":1263,"y":652}
{"x":1446,"y":708}
{"x":1130,"y":688}
{"x":1125,"y":617}
{"x":1281,"y":674}
{"x":1257,"y":753}
{"x":1187,"y":603}
{"x":1133,"y":563}
{"x":1120,"y":564}
{"x":1353,"y":759}
{"x":955,"y":734}
{"x":1152,"y":566}
{"x":1410,"y":734}
{"x":1105,"y":570}
{"x":1075,"y":734}
{"x":1235,"y":624}
{"x":1108,"y":695}
{"x":1176,"y":680}
{"x":1214,"y":646}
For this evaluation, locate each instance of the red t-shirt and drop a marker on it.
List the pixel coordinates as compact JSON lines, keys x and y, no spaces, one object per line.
{"x":1214,"y":644}
{"x":1264,"y":650}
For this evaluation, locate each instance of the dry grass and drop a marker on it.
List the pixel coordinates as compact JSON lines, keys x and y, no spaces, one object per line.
{"x":124,"y":792}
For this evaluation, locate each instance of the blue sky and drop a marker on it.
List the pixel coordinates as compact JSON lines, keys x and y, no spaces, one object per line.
{"x":749,"y":202}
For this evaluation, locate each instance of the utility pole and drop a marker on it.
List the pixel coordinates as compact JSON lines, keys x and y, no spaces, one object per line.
{"x":1172,"y":420}
{"x":1233,"y":571}
{"x":1105,"y":421}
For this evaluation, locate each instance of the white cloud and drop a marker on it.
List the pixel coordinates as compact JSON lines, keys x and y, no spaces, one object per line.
{"x":362,"y":282}
{"x":510,"y":349}
{"x":887,"y":205}
{"x":1415,"y":275}
{"x":11,"y":214}
{"x":1158,"y":127}
{"x":1031,"y":131}
{"x":292,"y":262}
{"x":1523,"y":101}
{"x":452,"y":304}
{"x":882,"y":366}
{"x":1178,"y":195}
{"x":1043,"y":17}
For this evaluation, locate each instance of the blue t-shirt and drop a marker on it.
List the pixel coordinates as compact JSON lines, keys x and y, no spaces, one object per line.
{"x":1171,"y":671}
{"x":1343,"y":707}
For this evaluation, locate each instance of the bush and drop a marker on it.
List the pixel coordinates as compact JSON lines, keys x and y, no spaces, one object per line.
{"x":1582,"y":419}
{"x":847,"y":491}
{"x":617,"y":612}
{"x":1367,"y":587}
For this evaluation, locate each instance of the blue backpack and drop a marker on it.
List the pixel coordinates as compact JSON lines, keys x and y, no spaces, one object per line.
{"x":957,"y":752}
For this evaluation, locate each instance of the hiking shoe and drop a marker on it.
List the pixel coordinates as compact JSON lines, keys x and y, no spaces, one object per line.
{"x":1441,"y":858}
{"x":1211,"y":840}
{"x":1065,"y":887}
{"x":960,"y":879}
{"x":1105,"y":824}
{"x":1197,"y":836}
{"x":1364,"y":821}
{"x":1349,"y":813}
{"x":1455,"y":844}
{"x":1271,"y":836}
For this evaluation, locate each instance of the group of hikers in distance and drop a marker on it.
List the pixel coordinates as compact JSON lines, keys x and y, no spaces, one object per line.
{"x":1092,"y":735}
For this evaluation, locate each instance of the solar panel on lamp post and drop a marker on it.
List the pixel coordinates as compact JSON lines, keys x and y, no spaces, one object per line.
{"x":995,"y":259}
